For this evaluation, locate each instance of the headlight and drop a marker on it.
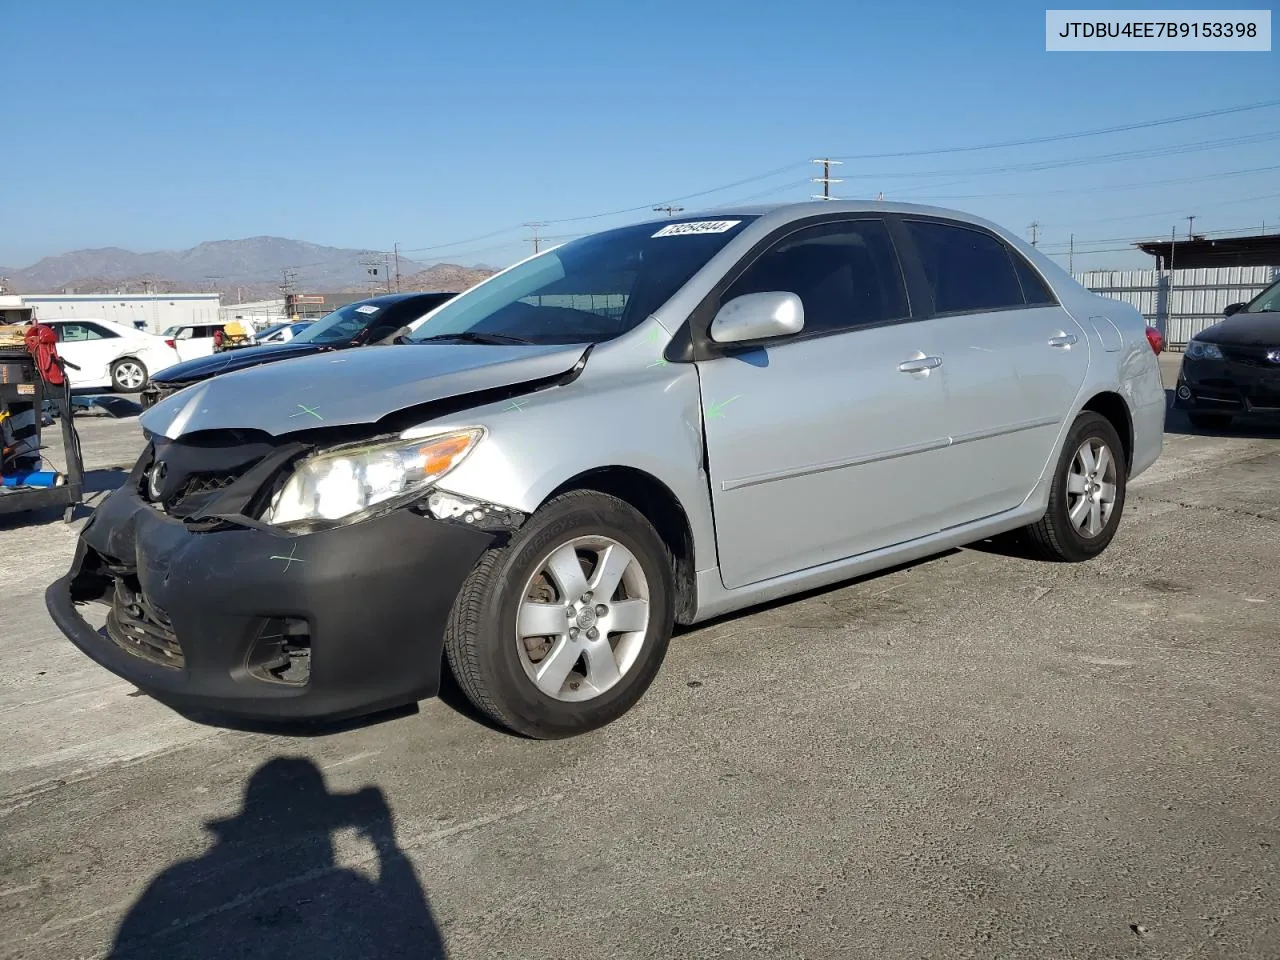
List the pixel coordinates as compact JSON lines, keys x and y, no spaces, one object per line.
{"x":339,"y":484}
{"x":1199,"y":350}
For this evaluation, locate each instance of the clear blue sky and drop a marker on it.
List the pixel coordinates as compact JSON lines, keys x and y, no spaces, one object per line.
{"x":153,"y":125}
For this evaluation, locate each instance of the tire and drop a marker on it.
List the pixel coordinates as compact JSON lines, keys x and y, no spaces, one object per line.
{"x":496,"y":668}
{"x":1056,"y":536}
{"x":1209,"y":421}
{"x":129,"y":375}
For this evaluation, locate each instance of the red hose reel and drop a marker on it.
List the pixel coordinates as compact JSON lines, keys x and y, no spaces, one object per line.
{"x":42,"y":344}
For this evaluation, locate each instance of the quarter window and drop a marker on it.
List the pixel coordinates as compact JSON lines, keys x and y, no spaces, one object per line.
{"x":846,"y":274}
{"x":967,"y":270}
{"x":1034,"y":291}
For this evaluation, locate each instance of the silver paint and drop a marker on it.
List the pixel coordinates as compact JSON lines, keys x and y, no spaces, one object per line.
{"x":827,"y":458}
{"x":311,"y":391}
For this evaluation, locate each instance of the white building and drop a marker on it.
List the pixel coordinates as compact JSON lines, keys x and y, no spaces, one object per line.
{"x":155,"y":312}
{"x":259,"y":313}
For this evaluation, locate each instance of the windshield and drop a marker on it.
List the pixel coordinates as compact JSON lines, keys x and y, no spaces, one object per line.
{"x":588,"y":290}
{"x":1268,"y":301}
{"x":342,"y":325}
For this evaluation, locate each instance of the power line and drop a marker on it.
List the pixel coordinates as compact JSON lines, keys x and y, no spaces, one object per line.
{"x":669,"y":209}
{"x":1057,"y":138}
{"x":1145,"y":153}
{"x":1133,"y":185}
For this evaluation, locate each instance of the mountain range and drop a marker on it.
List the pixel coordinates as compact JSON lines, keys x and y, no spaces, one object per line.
{"x":241,"y":270}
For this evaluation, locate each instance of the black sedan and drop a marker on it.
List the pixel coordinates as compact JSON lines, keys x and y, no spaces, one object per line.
{"x":358,"y":324}
{"x":1232,"y":369}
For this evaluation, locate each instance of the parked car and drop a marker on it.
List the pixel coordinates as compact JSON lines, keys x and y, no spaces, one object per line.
{"x":357,"y":324}
{"x":111,"y":355}
{"x":194,"y":340}
{"x":652,"y":425}
{"x":1232,"y":369}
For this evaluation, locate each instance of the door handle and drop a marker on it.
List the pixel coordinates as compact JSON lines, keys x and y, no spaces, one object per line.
{"x":920,"y":364}
{"x":1063,"y":340}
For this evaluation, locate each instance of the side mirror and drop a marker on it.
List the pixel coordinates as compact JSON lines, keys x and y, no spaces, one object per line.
{"x":758,"y":316}
{"x":1232,"y":308}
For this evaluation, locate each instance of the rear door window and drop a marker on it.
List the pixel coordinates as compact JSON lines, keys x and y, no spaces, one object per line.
{"x":1035,"y":292}
{"x":846,"y":275}
{"x":968,"y":270}
{"x":80,"y":332}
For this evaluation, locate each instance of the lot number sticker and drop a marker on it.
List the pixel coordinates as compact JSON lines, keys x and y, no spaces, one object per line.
{"x":368,"y":308}
{"x":697,"y":226}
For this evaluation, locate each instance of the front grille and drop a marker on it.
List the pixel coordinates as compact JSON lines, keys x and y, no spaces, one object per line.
{"x":1249,"y":356}
{"x":140,"y":627}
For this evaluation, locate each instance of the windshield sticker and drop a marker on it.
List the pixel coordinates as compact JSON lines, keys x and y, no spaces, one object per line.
{"x":697,"y":226}
{"x":367,"y":308}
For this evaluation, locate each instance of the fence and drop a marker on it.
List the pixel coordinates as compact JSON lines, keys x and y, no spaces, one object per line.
{"x":1181,"y":303}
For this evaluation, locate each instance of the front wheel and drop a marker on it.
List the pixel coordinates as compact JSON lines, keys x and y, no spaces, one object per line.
{"x":128,"y":375}
{"x":1087,"y":496}
{"x":562,"y":630}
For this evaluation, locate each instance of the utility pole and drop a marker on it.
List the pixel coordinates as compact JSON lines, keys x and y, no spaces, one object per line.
{"x":288,"y":281}
{"x":1191,"y":220}
{"x":670,"y":210}
{"x":1034,"y":227}
{"x":397,"y":254}
{"x":826,"y":179}
{"x":535,"y":226}
{"x":1071,"y":255}
{"x":370,"y":262}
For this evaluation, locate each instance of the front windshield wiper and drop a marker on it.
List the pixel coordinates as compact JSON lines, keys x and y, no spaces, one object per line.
{"x":470,"y":336}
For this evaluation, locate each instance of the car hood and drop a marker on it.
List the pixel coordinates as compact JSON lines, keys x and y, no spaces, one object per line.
{"x":1246,"y":330}
{"x":348,"y":387}
{"x":203,"y":367}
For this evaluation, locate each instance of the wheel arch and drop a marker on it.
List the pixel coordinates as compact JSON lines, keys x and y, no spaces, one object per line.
{"x":1112,"y":405}
{"x":662,"y":508}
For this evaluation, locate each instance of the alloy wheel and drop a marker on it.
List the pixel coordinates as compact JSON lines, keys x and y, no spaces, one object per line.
{"x":1091,"y":487}
{"x":129,"y":375}
{"x":583,"y":618}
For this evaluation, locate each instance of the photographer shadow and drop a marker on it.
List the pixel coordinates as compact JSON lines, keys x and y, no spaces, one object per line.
{"x":271,"y":886}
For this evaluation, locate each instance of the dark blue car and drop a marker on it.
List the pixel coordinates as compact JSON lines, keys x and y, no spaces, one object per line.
{"x":358,"y":324}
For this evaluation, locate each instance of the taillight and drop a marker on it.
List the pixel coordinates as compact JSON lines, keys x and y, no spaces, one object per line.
{"x":170,"y":343}
{"x":1156,"y":339}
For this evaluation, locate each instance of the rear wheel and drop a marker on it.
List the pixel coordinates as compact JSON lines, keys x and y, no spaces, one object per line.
{"x":1210,"y":421}
{"x":128,"y":375}
{"x":562,"y":630}
{"x":1087,"y":496}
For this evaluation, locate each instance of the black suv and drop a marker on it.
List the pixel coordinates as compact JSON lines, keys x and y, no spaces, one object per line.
{"x":358,"y":324}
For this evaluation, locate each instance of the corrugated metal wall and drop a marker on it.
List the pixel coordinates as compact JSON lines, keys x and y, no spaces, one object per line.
{"x":156,"y":312}
{"x":1185,"y":303}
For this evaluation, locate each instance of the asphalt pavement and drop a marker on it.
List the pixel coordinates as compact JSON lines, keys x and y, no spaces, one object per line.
{"x":974,"y":756}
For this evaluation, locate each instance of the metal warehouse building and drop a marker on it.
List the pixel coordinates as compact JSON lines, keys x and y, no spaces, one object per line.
{"x":148,"y":311}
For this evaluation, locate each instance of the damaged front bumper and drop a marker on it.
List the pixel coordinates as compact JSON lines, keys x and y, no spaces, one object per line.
{"x":259,"y":624}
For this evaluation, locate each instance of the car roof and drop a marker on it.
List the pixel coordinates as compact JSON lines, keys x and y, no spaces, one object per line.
{"x":783,"y":212}
{"x":386,"y":299}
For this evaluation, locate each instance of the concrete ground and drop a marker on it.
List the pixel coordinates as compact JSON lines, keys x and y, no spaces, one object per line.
{"x":976,"y":756}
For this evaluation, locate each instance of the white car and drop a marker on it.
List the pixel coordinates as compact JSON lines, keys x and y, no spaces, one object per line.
{"x":107,"y":354}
